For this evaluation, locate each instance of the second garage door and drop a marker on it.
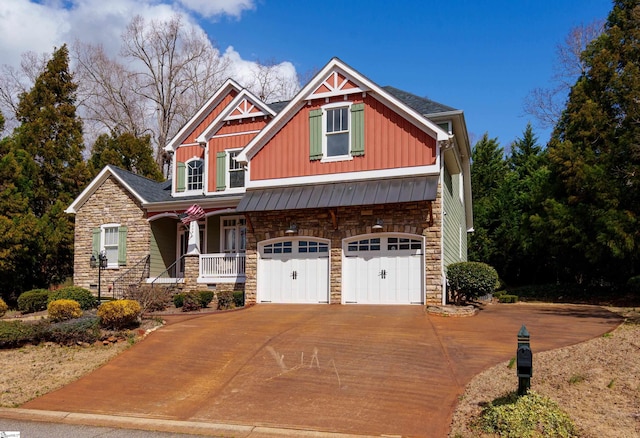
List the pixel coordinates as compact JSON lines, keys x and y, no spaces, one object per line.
{"x":293,"y":270}
{"x":383,"y":269}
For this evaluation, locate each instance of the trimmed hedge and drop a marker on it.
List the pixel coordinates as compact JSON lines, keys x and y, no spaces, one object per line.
{"x":83,"y":329}
{"x":206,"y":296}
{"x":16,"y":334}
{"x":225,"y":299}
{"x":61,"y":310}
{"x":119,"y":314}
{"x":33,"y":301}
{"x":3,"y":308}
{"x":506,"y":298}
{"x":83,"y":296}
{"x":470,"y":280}
{"x":238,"y":298}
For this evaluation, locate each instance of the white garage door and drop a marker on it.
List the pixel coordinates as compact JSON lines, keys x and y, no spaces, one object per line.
{"x":293,"y":271}
{"x":383,"y":269}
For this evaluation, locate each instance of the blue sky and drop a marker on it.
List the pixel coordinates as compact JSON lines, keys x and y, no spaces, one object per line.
{"x":479,"y":56}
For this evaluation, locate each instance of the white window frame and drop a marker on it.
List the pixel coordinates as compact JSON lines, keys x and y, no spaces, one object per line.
{"x":103,"y":245}
{"x":229,"y":160}
{"x":188,"y":176}
{"x":240,"y":227}
{"x":325,"y":110}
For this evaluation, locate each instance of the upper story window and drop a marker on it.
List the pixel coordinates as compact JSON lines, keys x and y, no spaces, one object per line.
{"x":195,"y":175}
{"x":230,"y":174}
{"x":336,"y":132}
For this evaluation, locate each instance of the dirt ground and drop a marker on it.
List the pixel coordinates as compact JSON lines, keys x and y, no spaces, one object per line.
{"x":596,"y":382}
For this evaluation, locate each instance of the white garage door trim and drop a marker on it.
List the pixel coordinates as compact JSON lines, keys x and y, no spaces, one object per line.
{"x":383,"y":268}
{"x":293,"y":270}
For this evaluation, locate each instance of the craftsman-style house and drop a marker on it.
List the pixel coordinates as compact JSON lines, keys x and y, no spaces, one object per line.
{"x":349,"y":193}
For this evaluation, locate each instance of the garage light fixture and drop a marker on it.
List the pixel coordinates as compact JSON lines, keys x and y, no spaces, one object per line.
{"x":378,"y":225}
{"x":293,"y":229}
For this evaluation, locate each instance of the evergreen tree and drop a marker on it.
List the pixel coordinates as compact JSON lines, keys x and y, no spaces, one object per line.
{"x":127,"y":152}
{"x":488,"y":172}
{"x":592,"y":217}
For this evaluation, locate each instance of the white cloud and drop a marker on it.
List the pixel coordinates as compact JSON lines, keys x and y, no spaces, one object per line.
{"x":210,"y":8}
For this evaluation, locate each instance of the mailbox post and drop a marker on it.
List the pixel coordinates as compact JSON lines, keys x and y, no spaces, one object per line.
{"x":524,"y":361}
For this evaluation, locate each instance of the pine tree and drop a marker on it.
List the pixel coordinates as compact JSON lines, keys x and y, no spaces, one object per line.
{"x":592,"y":217}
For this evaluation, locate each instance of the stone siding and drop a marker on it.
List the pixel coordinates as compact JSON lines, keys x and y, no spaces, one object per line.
{"x":110,"y":204}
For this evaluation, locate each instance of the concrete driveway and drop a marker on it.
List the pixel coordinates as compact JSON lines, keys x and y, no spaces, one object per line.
{"x":370,"y":370}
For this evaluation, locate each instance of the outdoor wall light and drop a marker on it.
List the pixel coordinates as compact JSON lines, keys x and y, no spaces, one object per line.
{"x":293,"y":228}
{"x":378,"y":225}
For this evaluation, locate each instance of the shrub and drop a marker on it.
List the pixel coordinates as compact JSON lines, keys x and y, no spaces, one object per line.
{"x":119,"y":314}
{"x":633,"y":285}
{"x":83,"y":296}
{"x":83,"y":329}
{"x":469,"y":280}
{"x":206,"y":296}
{"x":152,"y":299}
{"x":191,"y":302}
{"x":528,"y":416}
{"x":16,"y":333}
{"x":61,"y":310}
{"x":506,"y":298}
{"x":225,"y":299}
{"x":33,"y":301}
{"x":3,"y":307}
{"x":178,"y":300}
{"x":238,"y":298}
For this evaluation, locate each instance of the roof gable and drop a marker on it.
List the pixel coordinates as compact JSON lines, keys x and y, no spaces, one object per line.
{"x":335,"y":79}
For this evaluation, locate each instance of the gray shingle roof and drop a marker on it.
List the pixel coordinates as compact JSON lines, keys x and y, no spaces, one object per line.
{"x":420,"y":104}
{"x":148,"y":189}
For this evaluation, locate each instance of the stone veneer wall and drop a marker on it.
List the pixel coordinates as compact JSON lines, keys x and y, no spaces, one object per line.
{"x":110,"y":204}
{"x":413,"y":218}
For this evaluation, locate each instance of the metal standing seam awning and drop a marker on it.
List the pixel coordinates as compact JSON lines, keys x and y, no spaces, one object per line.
{"x":343,"y":194}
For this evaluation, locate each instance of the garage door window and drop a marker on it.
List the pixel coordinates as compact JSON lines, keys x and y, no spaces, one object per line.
{"x":279,"y":248}
{"x":365,"y":245}
{"x":399,"y":243}
{"x":306,"y":247}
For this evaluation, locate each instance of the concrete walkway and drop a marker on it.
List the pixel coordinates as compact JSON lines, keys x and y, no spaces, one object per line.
{"x":367,"y":370}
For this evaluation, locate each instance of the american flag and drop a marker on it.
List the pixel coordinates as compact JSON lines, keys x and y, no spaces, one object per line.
{"x":193,"y":213}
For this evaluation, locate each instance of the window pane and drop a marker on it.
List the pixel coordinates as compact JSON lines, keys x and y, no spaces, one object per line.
{"x":111,"y":236}
{"x":112,"y":255}
{"x":337,"y":144}
{"x":194,"y":175}
{"x":236,"y":178}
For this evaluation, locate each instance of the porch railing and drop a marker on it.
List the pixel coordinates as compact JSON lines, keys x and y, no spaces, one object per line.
{"x":223,"y":266}
{"x":132,"y":277}
{"x":169,"y":276}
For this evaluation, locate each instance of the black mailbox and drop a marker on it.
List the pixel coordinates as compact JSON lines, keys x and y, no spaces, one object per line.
{"x":524,"y":361}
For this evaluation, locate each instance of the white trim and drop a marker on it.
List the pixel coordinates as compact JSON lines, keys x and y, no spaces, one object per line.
{"x":199,"y":191}
{"x":255,"y":131}
{"x":325,"y":135}
{"x":238,"y":226}
{"x":350,"y":176}
{"x":103,"y":228}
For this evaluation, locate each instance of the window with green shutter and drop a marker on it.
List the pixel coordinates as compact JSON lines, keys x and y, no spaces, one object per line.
{"x":122,"y":246}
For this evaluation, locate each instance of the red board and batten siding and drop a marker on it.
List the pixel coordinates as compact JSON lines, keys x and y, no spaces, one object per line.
{"x":390,"y":142}
{"x":210,"y":117}
{"x":219,"y":144}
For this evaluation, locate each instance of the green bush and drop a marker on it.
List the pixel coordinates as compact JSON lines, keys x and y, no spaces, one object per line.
{"x":83,"y":296}
{"x":61,"y":310}
{"x":3,"y":308}
{"x":506,"y":298}
{"x":83,"y":329}
{"x":119,"y":314}
{"x":530,"y":415}
{"x":238,"y":298}
{"x":633,"y":285}
{"x":225,"y":299}
{"x":206,"y":296}
{"x":191,"y":302}
{"x":33,"y":301}
{"x":470,"y":280}
{"x":178,"y":300}
{"x":16,"y":334}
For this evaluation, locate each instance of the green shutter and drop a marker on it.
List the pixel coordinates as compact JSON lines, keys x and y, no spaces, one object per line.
{"x":122,"y":246}
{"x":95,"y":242}
{"x":180,"y":177}
{"x":221,"y":171}
{"x":315,"y":134}
{"x":357,"y":129}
